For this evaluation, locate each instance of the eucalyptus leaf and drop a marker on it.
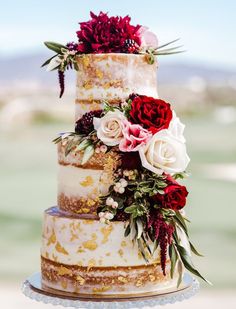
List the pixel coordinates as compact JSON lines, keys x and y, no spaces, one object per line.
{"x":84,"y":144}
{"x":173,"y":258}
{"x":127,"y":231}
{"x":180,"y":269}
{"x":48,"y":61}
{"x":89,"y":151}
{"x":181,"y":221}
{"x":188,"y":263}
{"x":56,"y":47}
{"x":130,"y":209}
{"x":194,"y":250}
{"x":139,"y":228}
{"x":142,"y":250}
{"x":166,"y":44}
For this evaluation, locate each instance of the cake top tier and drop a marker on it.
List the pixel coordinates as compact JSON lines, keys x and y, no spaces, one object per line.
{"x":103,"y":35}
{"x":112,"y":78}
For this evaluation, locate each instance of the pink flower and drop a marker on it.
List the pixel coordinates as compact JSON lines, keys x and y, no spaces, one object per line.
{"x":148,"y":38}
{"x":134,"y":137}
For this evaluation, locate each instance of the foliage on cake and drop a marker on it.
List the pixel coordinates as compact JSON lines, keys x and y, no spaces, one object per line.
{"x":145,"y":194}
{"x":104,"y":34}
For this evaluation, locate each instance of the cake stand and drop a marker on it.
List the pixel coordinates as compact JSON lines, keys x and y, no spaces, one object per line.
{"x":33,"y":289}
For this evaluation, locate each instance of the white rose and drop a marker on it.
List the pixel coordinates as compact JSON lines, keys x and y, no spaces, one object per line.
{"x":164,"y":153}
{"x":109,"y":127}
{"x":176,"y":127}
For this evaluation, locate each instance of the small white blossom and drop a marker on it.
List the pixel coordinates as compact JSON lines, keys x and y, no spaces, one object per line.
{"x":108,"y":215}
{"x":109,"y":201}
{"x":121,"y":190}
{"x":114,"y":205}
{"x":123,"y":182}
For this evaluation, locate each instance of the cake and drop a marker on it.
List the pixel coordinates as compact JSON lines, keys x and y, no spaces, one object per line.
{"x":119,"y":227}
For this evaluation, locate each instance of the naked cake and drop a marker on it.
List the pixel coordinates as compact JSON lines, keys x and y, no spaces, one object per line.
{"x":119,"y":227}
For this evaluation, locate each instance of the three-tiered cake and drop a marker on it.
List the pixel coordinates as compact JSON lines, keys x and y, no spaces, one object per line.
{"x":118,"y":227}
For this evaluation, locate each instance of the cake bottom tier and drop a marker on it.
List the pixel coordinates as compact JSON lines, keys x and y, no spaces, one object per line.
{"x":104,"y":280}
{"x":86,"y":256}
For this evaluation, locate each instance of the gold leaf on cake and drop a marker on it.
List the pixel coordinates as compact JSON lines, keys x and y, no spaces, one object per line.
{"x":122,"y":279}
{"x":60,"y":249}
{"x":85,"y":60}
{"x":91,"y":263}
{"x":87,"y":182}
{"x":90,"y":245}
{"x":106,"y":231}
{"x":152,"y":278}
{"x":87,"y":85}
{"x":121,"y":252}
{"x":101,"y":289}
{"x":80,"y":279}
{"x":99,"y":73}
{"x":54,"y":257}
{"x":88,"y":221}
{"x":52,"y":239}
{"x":64,"y":284}
{"x":139,"y":283}
{"x":108,"y":254}
{"x":63,"y":271}
{"x":123,"y":243}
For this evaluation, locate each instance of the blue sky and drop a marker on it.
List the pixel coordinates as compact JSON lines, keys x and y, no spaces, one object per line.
{"x":207,"y":28}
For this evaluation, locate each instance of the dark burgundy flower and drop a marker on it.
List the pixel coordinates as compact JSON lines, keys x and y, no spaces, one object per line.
{"x":72,"y":46}
{"x":85,"y":124}
{"x":152,"y":114}
{"x":174,"y":196}
{"x":162,"y":232}
{"x":103,"y":34}
{"x":130,"y":160}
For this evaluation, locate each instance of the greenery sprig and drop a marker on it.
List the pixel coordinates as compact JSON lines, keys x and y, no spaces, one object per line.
{"x":78,"y":142}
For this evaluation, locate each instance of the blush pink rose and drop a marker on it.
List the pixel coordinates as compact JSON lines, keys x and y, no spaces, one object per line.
{"x":134,"y":136}
{"x":148,"y":38}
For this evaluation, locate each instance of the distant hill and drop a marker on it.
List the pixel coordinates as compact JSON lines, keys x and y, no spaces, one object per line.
{"x":26,"y":69}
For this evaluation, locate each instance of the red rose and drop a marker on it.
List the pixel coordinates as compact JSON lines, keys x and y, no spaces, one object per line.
{"x":174,"y":196}
{"x":152,"y":114}
{"x":103,"y":34}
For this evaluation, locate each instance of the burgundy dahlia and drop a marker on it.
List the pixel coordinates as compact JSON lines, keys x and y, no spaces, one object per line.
{"x":103,"y":34}
{"x":85,"y":124}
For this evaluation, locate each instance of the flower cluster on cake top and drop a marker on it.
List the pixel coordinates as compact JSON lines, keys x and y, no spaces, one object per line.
{"x":104,"y":34}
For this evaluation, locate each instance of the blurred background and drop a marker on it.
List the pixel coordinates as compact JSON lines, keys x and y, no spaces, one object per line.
{"x":201,"y":84}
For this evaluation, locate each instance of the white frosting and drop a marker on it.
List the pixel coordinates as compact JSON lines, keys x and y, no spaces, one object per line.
{"x":75,"y":241}
{"x":79,"y":182}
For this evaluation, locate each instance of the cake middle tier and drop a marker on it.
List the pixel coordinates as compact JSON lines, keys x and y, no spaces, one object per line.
{"x":79,"y":186}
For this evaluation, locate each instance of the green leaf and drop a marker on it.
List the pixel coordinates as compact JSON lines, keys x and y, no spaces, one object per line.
{"x":139,"y":228}
{"x":188,"y":263}
{"x":173,"y":257}
{"x":180,"y":272}
{"x":84,"y":144}
{"x":142,"y":250}
{"x":179,"y":218}
{"x":166,"y":44}
{"x":57,"y":140}
{"x":47,"y":61}
{"x":194,"y":250}
{"x":127,"y":230}
{"x":89,"y":151}
{"x":170,"y":53}
{"x":56,"y":47}
{"x":130,"y":209}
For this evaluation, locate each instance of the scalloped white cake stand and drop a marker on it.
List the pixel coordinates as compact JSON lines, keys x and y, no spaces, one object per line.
{"x":33,"y":289}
